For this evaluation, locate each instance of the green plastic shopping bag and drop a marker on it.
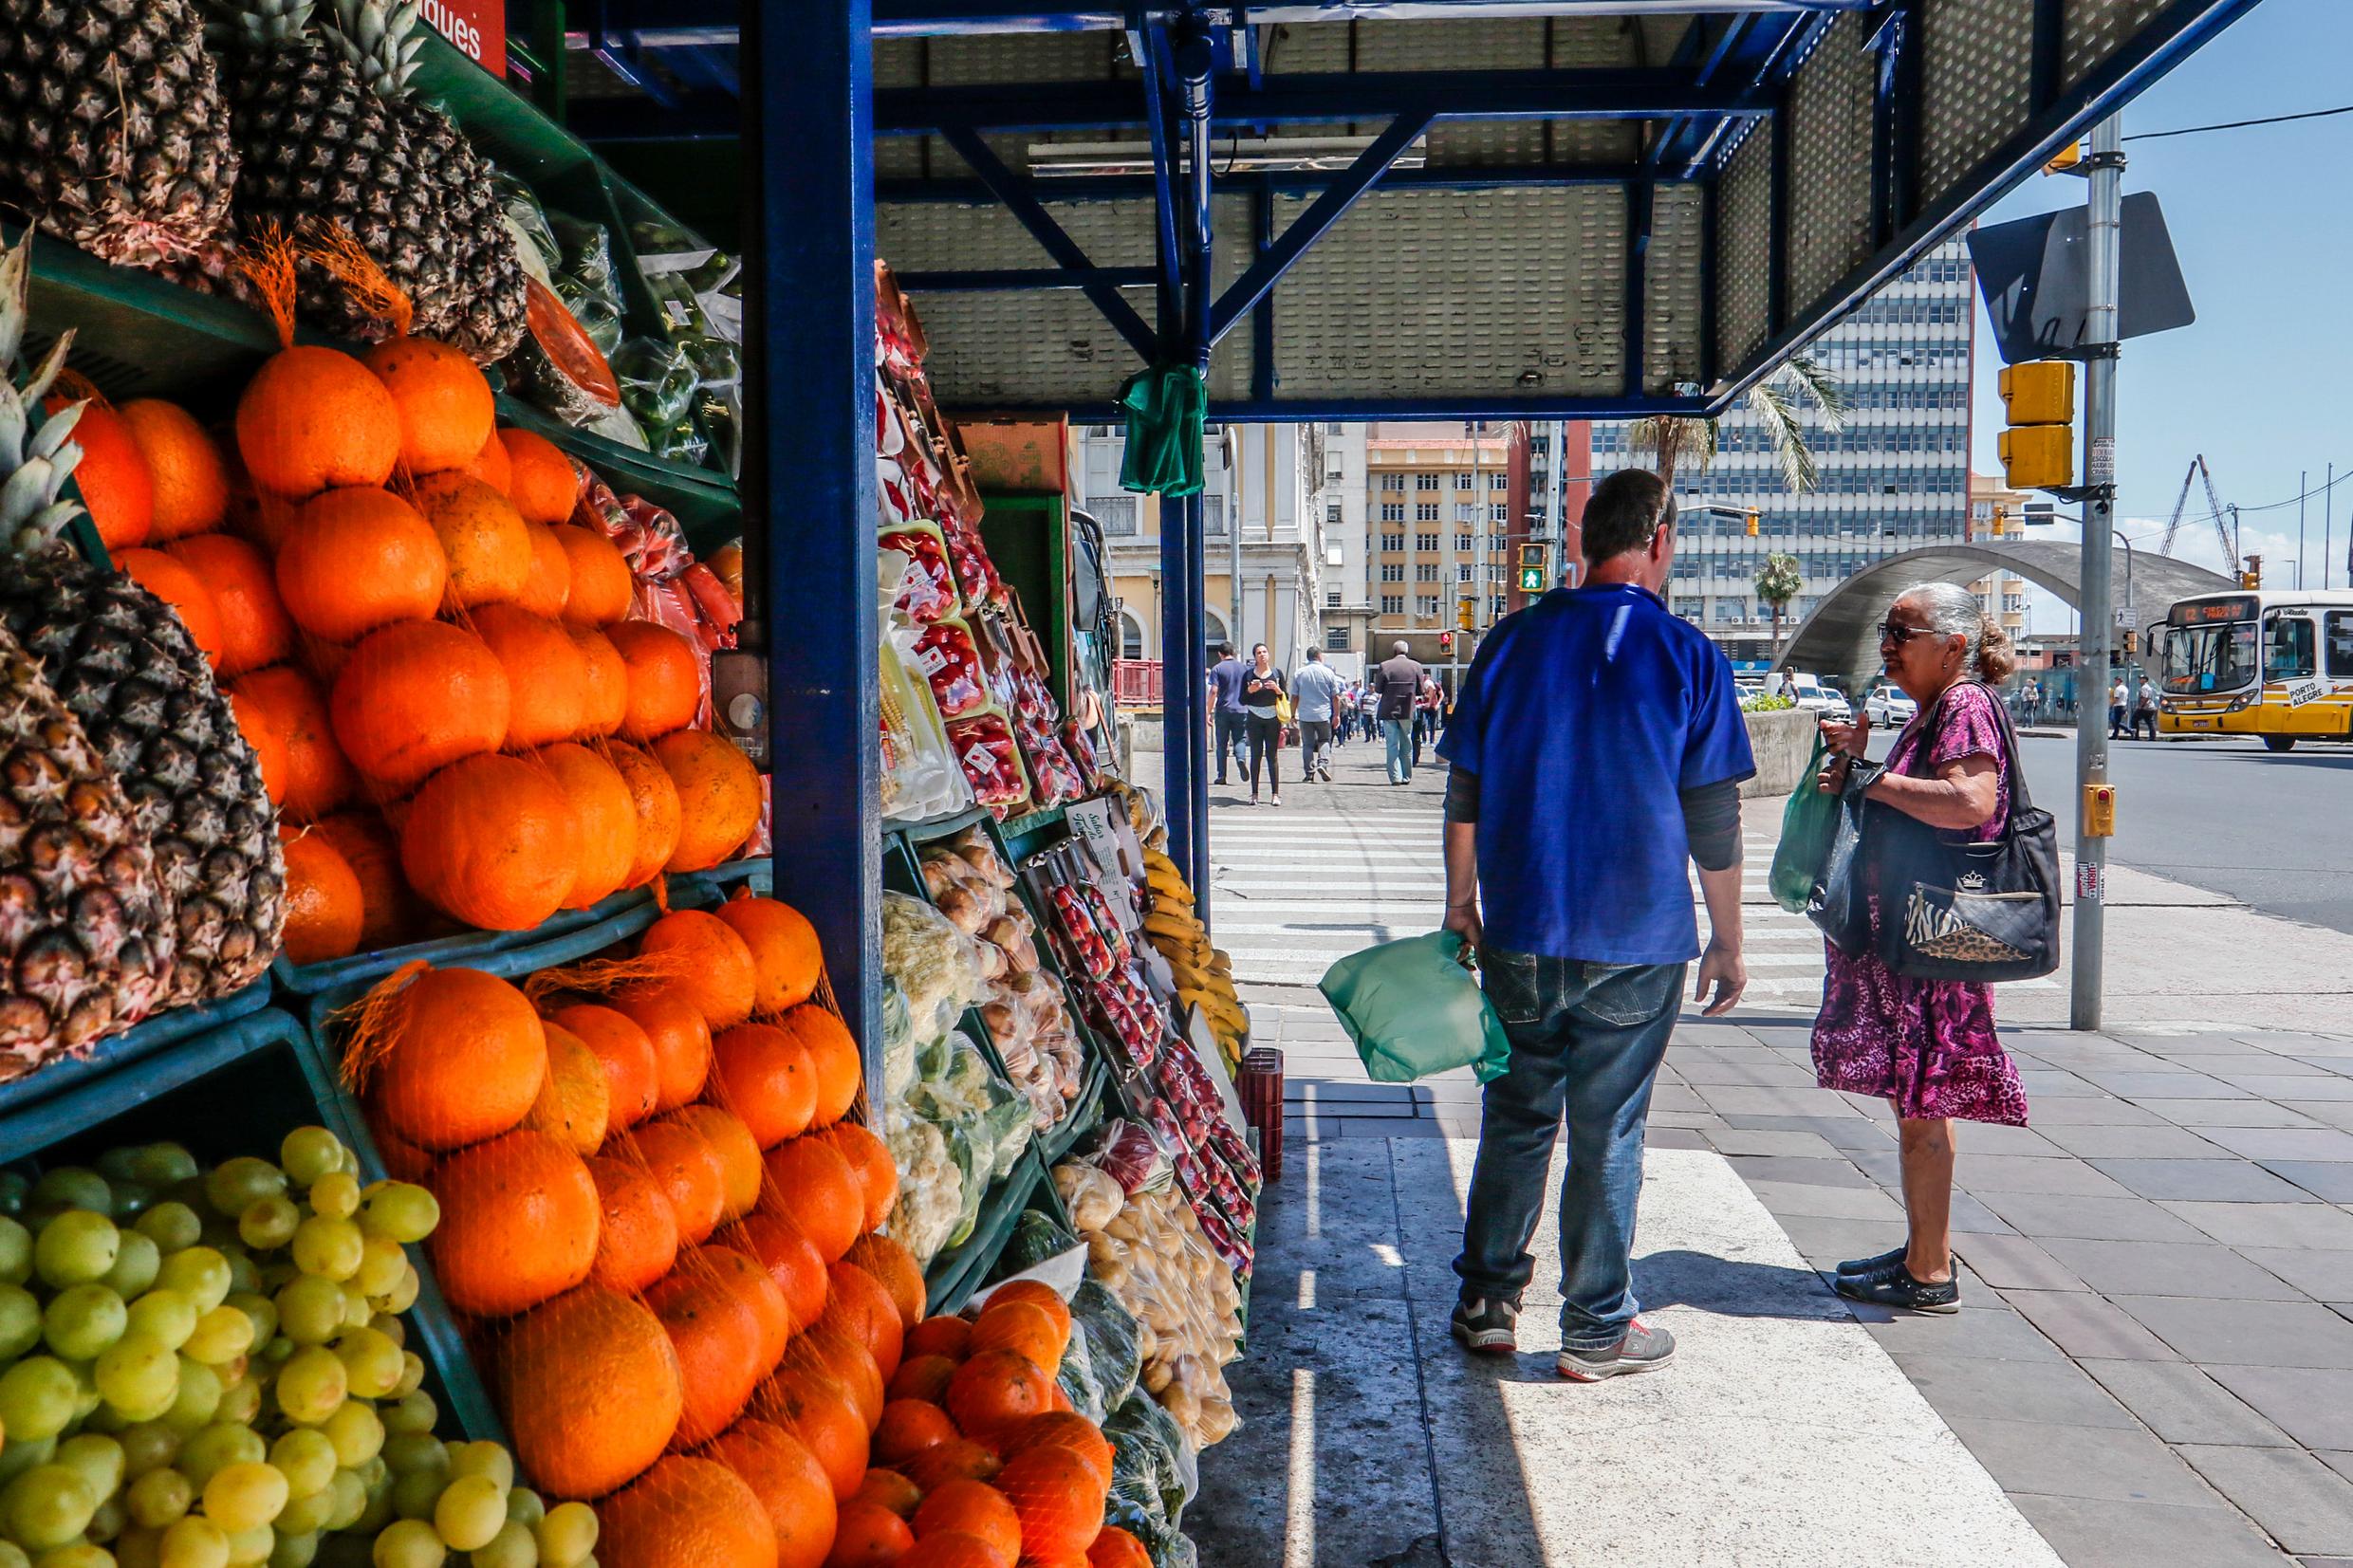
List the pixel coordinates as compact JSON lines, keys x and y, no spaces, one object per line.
{"x":1414,"y":1010}
{"x":1805,"y":825}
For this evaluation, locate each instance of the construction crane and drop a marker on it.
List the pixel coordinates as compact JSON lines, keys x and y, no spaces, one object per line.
{"x":2225,"y":517}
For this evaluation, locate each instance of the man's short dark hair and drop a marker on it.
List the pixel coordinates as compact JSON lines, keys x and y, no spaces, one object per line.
{"x":1225,"y":650}
{"x":1625,"y":511}
{"x":1315,"y":655}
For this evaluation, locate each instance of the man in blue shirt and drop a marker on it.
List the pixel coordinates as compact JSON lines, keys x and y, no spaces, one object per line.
{"x":1314,"y":689}
{"x":1595,"y":745}
{"x":1225,"y":710}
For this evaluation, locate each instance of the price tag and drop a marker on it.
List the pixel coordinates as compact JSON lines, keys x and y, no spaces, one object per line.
{"x":930,"y":659}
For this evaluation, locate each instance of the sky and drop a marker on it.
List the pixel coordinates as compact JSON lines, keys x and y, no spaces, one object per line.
{"x":2261,"y":226}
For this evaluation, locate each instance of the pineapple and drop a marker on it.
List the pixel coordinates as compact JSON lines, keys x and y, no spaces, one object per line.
{"x":86,"y":935}
{"x":125,"y":668}
{"x":330,"y":133}
{"x":112,"y":131}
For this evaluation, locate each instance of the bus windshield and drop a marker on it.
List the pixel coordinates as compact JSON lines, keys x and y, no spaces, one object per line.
{"x":2210,"y":659}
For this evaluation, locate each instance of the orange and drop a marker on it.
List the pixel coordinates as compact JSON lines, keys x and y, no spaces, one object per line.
{"x":602,"y":586}
{"x":834,"y":1055}
{"x":1069,"y":1430}
{"x":718,"y":796}
{"x":606,"y":819}
{"x":490,"y":841}
{"x":518,"y":1223}
{"x":255,"y":628}
{"x":174,"y":583}
{"x":706,"y":961}
{"x":355,"y":559}
{"x":909,"y":1427}
{"x":464,"y":1062}
{"x":739,"y":1157}
{"x":631,"y":1080}
{"x":665,"y":680}
{"x":960,"y":1460}
{"x":388,"y":910}
{"x":811,"y":1185}
{"x":269,"y":749}
{"x":718,"y":1339}
{"x":868,"y":1310}
{"x":890,"y":1491}
{"x":318,"y":776}
{"x":573,"y":1103}
{"x":681,"y":1041}
{"x":1116,"y":1548}
{"x":445,"y":406}
{"x":922,"y":1378}
{"x":689,"y":1169}
{"x":403,"y":1160}
{"x":785,"y":959}
{"x":791,"y":1260}
{"x":543,"y":482}
{"x":894,"y":1269}
{"x":1022,"y":1328}
{"x":1039,"y":1294}
{"x":974,"y":1509}
{"x":946,"y":1334}
{"x":870,"y":1161}
{"x":637,"y":1234}
{"x":550,"y":580}
{"x":414,"y":697}
{"x":764,"y":1076}
{"x":321,"y":899}
{"x":188,"y":481}
{"x":866,"y":1534}
{"x":816,"y":1409}
{"x":995,"y":1387}
{"x":655,"y":799}
{"x":793,"y":1488}
{"x":590,"y":1389}
{"x":544,"y":670}
{"x":1059,"y":1497}
{"x":488,"y":548}
{"x":954,"y":1549}
{"x":312,"y":417}
{"x":112,"y":474}
{"x":686,"y":1513}
{"x":744,"y":1276}
{"x":491,"y":465}
{"x":831,"y":1347}
{"x":604,"y":685}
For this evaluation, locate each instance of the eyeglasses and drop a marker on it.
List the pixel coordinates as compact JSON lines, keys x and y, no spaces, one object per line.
{"x":1897,"y":633}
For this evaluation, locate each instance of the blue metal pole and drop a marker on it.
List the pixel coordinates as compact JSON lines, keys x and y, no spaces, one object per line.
{"x":809,"y":325}
{"x":1182,"y":700}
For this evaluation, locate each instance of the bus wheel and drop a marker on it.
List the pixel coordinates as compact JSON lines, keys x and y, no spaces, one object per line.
{"x":2279,"y":743}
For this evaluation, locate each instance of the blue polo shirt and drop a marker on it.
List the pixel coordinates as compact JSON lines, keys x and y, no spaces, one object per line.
{"x":1583,"y":716}
{"x":1225,"y":679}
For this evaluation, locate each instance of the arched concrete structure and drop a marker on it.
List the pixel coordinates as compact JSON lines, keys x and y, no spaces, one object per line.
{"x":1841,"y":636}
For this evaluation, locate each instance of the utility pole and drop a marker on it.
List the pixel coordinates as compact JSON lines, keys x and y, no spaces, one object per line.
{"x":2303,"y":480}
{"x":2106,"y":167}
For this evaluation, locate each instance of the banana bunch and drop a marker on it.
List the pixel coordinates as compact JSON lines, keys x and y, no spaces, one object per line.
{"x":1204,"y":974}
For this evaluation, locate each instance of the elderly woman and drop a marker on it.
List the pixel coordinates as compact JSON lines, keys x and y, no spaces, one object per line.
{"x":1927,"y":1047}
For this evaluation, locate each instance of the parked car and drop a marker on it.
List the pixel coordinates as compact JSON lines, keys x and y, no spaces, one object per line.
{"x":1814,"y":696}
{"x":1890,"y":705}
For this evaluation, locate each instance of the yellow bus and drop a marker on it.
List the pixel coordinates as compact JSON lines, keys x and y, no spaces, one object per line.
{"x":2277,"y":666}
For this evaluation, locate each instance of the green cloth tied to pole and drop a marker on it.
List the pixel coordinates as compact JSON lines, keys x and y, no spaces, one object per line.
{"x":1166,"y":407}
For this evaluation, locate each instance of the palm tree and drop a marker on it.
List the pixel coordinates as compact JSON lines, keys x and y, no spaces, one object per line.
{"x":1778,"y":401}
{"x":1777,"y":582}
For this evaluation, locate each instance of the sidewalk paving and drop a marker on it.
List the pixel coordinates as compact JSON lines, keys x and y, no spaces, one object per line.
{"x":2155,"y":1363}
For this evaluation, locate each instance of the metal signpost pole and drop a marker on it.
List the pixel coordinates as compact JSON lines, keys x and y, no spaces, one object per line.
{"x":2106,"y":163}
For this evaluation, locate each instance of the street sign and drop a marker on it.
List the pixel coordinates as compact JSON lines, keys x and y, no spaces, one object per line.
{"x":2032,"y":274}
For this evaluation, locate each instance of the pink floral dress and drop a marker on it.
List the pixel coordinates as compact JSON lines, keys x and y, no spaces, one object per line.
{"x":1927,"y":1045}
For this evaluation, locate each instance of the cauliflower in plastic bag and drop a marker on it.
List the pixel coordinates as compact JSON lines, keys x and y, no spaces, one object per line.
{"x":931,"y":1187}
{"x":935,"y":964}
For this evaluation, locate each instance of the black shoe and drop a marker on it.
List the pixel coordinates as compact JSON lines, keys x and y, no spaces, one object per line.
{"x":1859,"y":1267}
{"x":1489,"y":1326}
{"x":1642,"y":1348}
{"x":1898,"y":1289}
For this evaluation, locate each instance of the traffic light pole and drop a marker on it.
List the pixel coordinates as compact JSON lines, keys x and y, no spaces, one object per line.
{"x":2106,"y":167}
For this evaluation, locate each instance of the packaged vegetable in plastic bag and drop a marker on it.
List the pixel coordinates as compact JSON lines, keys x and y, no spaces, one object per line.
{"x":932,"y":962}
{"x":1112,"y":1350}
{"x":1137,"y":1418}
{"x":1036,"y":1237}
{"x":971,"y":1162}
{"x":1076,"y":1375}
{"x":931,"y":1188}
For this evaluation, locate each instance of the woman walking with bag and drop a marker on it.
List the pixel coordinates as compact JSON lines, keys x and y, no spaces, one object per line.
{"x":1263,"y":699}
{"x":1928,"y":1045}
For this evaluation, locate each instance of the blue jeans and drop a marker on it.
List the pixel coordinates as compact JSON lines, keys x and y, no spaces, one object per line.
{"x":1401,"y":749}
{"x":1586,"y":1041}
{"x":1231,"y":732}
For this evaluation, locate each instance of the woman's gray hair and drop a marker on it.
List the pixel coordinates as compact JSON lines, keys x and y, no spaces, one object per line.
{"x":1953,"y":611}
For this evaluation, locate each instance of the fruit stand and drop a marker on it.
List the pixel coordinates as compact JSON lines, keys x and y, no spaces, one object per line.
{"x":430,"y":1124}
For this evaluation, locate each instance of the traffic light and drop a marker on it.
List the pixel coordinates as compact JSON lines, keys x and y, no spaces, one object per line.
{"x":1751,"y":522}
{"x":2251,"y":572}
{"x":1466,"y":610}
{"x":1533,"y":568}
{"x":2001,"y":522}
{"x":2038,"y":450}
{"x":1445,"y":642}
{"x":2131,"y":642}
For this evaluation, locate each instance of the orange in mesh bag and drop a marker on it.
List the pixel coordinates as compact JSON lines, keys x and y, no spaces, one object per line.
{"x":691,"y":1171}
{"x":592,"y":1391}
{"x":445,"y":1058}
{"x":995,"y":1388}
{"x":764,"y":1076}
{"x":415,"y":697}
{"x":575,"y":1103}
{"x":719,"y":1338}
{"x":718,"y":796}
{"x":833,"y":1052}
{"x":319,"y":778}
{"x":1116,"y":1548}
{"x":713,"y":967}
{"x":908,"y":1428}
{"x":870,"y":1161}
{"x":790,"y":1258}
{"x":785,"y":954}
{"x":811,"y":1185}
{"x":686,"y":1513}
{"x":518,"y":1223}
{"x":866,"y":1310}
{"x":637,"y":1230}
{"x":486,"y":541}
{"x":545,"y":668}
{"x":1065,"y":1429}
{"x":665,"y":682}
{"x":549,"y":584}
{"x":867,"y":1535}
{"x":894,"y":1269}
{"x":311,"y":417}
{"x":600,"y":583}
{"x":255,"y":631}
{"x":971,"y":1507}
{"x":490,"y":841}
{"x":357,"y":558}
{"x":605,"y":693}
{"x":793,"y":1488}
{"x":952,"y":1549}
{"x":830,"y":1347}
{"x":1024,"y":1328}
{"x":1059,"y":1495}
{"x":739,"y":1156}
{"x":654,"y":797}
{"x":602,"y":811}
{"x":632,"y":1078}
{"x":815,"y":1409}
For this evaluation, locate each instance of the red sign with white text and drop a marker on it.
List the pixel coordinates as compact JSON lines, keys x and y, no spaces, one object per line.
{"x":477,"y":27}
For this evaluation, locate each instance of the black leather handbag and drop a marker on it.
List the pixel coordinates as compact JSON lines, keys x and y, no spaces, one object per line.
{"x":1984,"y":910}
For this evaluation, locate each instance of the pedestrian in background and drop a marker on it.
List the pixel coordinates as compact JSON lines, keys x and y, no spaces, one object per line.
{"x":1596,"y":748}
{"x":1230,"y":718}
{"x":1262,"y":695}
{"x":1398,"y":686}
{"x":1927,"y":1047}
{"x":2118,"y":696}
{"x":1315,"y":690}
{"x":1425,"y":707}
{"x":2144,"y":709}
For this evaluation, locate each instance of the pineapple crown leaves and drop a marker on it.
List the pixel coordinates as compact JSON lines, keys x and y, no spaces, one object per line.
{"x":257,"y":26}
{"x":30,"y":512}
{"x":380,"y":41}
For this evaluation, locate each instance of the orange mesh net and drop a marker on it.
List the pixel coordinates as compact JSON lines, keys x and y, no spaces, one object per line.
{"x":268,"y":266}
{"x":333,"y":249}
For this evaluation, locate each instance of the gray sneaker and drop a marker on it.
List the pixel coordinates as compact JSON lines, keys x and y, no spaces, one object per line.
{"x":1489,"y":1326}
{"x":1641,"y":1349}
